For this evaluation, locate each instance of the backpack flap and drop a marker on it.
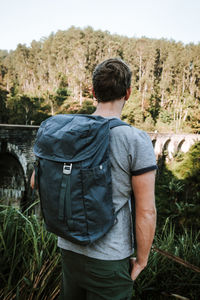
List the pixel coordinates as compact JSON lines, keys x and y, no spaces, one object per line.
{"x":71,"y":138}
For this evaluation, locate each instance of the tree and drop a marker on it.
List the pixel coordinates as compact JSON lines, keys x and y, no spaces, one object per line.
{"x":25,"y":110}
{"x":3,"y":109}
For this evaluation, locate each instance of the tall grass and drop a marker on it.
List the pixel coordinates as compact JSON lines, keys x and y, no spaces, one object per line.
{"x":30,"y":262}
{"x":163,"y":276}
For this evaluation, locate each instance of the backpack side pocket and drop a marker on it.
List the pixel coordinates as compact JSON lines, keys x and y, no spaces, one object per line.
{"x":97,"y":193}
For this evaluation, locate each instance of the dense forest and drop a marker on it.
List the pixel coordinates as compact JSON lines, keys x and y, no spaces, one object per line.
{"x":53,"y":76}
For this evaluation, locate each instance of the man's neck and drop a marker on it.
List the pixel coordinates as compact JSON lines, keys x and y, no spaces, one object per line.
{"x":110,"y":109}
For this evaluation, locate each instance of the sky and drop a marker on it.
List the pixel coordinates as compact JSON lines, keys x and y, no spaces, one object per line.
{"x":22,"y":21}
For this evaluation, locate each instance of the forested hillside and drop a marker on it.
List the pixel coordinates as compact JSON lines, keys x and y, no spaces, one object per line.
{"x":54,"y":76}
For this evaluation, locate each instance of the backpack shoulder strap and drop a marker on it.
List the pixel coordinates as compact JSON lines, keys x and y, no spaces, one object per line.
{"x":115,"y":122}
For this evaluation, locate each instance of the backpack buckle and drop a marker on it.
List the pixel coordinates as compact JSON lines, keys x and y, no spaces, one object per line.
{"x":67,"y":169}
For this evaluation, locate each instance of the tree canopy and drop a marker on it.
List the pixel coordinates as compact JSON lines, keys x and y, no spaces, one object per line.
{"x":53,"y":75}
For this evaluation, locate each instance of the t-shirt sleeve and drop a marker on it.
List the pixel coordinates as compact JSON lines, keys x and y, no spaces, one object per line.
{"x":142,"y":154}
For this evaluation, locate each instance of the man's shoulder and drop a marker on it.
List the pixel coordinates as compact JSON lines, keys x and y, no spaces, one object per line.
{"x":129,"y":132}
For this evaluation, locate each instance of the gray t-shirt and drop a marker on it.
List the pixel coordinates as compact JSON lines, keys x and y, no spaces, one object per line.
{"x":131,"y":153}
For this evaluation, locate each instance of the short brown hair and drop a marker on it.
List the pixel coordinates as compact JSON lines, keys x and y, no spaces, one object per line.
{"x":111,"y":79}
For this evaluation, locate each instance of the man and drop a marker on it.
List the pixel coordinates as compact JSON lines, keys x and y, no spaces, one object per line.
{"x":105,"y":269}
{"x":102,"y":270}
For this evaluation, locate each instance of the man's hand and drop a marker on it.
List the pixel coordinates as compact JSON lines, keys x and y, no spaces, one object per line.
{"x":136,"y":268}
{"x":32,"y":183}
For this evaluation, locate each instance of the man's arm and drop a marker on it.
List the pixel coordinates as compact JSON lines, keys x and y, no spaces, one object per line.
{"x":32,"y":182}
{"x":145,"y":223}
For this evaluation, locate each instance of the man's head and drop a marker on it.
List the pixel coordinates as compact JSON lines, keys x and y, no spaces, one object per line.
{"x":111,"y":80}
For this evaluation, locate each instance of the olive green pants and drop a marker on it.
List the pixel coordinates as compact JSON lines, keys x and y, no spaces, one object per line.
{"x":86,"y":278}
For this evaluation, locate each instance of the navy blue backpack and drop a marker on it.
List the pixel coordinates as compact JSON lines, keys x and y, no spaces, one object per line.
{"x":73,"y":173}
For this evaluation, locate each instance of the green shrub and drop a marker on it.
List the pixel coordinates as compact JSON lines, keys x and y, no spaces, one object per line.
{"x":177,"y":190}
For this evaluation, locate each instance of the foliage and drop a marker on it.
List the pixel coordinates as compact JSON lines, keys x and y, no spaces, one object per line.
{"x":30,"y":260}
{"x":177,"y":190}
{"x":74,"y":107}
{"x":26,"y":110}
{"x":187,"y":166}
{"x":165,"y":83}
{"x":132,"y":112}
{"x":3,"y":109}
{"x":87,"y":107}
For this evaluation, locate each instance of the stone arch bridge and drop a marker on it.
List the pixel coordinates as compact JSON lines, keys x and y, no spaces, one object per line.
{"x":170,"y":143}
{"x":17,"y":158}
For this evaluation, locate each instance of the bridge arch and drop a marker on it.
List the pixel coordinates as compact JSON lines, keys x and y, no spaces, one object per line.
{"x":16,"y":143}
{"x":16,"y":152}
{"x":187,"y":144}
{"x":180,"y":145}
{"x":12,"y":180}
{"x":154,"y":143}
{"x":165,"y":148}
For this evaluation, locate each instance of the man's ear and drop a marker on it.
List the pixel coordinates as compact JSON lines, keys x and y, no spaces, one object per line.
{"x":128,"y":93}
{"x":93,"y":93}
